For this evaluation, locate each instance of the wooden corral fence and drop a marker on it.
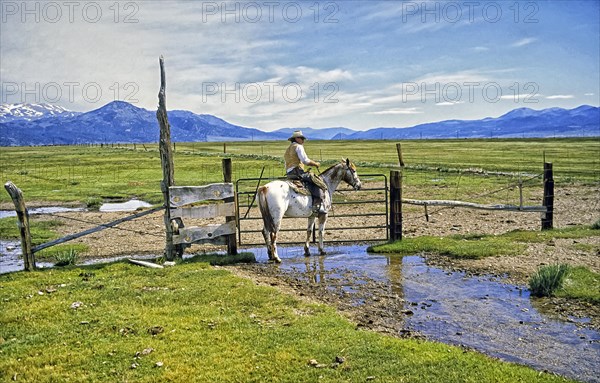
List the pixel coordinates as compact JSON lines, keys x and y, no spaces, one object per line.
{"x":396,"y":201}
{"x":180,"y":199}
{"x":181,"y":207}
{"x":353,"y":213}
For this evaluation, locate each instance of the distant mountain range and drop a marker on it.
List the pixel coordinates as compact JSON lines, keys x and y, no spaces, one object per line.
{"x":118,"y":121}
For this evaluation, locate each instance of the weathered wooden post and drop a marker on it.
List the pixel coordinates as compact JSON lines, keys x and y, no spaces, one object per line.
{"x":231,"y":239}
{"x":23,"y":216}
{"x":166,"y":159}
{"x":395,"y":205}
{"x":548,"y":202}
{"x":396,"y":198}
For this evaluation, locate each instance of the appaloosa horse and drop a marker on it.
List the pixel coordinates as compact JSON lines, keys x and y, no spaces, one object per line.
{"x":278,"y":199}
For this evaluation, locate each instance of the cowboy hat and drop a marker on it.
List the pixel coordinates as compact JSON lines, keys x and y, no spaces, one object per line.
{"x":297,"y":134}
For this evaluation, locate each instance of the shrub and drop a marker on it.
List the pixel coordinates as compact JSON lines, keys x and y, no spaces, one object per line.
{"x":596,"y":225}
{"x":93,"y":203}
{"x":548,"y":279}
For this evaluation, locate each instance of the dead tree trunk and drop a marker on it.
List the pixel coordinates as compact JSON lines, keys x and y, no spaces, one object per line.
{"x":166,"y":159}
{"x":23,"y":216}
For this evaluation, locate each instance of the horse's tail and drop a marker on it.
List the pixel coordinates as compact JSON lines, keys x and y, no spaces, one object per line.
{"x":263,"y":205}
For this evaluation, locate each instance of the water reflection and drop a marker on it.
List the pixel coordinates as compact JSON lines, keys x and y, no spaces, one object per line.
{"x":41,"y":210}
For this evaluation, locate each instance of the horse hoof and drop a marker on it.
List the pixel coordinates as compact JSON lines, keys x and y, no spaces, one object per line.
{"x":306,"y":253}
{"x":322,"y":252}
{"x":277,"y":260}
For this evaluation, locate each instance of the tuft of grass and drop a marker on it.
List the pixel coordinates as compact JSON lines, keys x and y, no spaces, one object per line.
{"x":548,"y":279}
{"x":596,"y":225}
{"x":93,"y":203}
{"x":51,"y":253}
{"x":66,"y":258}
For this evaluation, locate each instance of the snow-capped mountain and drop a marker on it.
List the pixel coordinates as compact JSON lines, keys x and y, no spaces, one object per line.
{"x":122,"y":122}
{"x":28,"y":112}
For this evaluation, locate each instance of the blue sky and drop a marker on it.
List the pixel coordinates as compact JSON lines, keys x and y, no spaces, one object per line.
{"x":275,"y":64}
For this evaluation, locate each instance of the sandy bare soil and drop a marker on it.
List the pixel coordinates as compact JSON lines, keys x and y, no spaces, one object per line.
{"x":573,"y":206}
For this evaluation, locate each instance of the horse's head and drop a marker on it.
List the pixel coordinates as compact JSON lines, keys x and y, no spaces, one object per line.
{"x":350,"y":175}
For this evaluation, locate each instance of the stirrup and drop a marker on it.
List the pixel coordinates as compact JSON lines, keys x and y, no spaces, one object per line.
{"x":316,"y":209}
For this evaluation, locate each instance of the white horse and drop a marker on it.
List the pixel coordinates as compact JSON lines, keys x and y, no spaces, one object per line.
{"x":277,"y":199}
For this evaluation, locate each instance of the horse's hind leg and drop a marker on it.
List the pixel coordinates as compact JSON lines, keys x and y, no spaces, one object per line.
{"x":267,"y":236}
{"x":309,"y":229}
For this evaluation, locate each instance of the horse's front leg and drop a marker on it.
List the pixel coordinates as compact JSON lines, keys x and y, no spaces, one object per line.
{"x":309,"y":229}
{"x":322,"y":220}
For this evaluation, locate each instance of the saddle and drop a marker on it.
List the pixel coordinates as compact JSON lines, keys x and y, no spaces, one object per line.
{"x":300,"y":186}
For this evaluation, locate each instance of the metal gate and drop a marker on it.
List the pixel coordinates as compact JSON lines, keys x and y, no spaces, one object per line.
{"x":356,"y":216}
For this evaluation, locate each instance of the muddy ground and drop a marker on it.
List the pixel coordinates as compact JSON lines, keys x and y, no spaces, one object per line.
{"x":573,"y":206}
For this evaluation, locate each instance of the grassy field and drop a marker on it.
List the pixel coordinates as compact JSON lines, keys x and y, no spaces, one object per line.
{"x":210,"y":325}
{"x":194,"y":323}
{"x":88,"y":174}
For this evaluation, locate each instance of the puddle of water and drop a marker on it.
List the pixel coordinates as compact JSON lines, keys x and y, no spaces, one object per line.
{"x":11,"y":260}
{"x":41,"y":210}
{"x":478,"y":312}
{"x":131,"y":205}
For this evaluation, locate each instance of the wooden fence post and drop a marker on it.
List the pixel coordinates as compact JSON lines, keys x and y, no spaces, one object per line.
{"x":395,"y":205}
{"x":548,"y":202}
{"x":166,"y":159}
{"x":23,"y":216}
{"x":231,"y":238}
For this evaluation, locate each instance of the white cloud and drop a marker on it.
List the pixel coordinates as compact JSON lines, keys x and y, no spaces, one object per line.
{"x":588,"y":94}
{"x":560,"y":97}
{"x":398,"y":111}
{"x":523,"y":42}
{"x":448,"y":103}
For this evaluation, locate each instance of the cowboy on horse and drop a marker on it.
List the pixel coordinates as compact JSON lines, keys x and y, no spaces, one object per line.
{"x":295,"y":159}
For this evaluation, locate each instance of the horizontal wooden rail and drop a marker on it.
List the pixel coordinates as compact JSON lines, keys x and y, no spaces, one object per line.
{"x":95,"y":229}
{"x":540,"y":209}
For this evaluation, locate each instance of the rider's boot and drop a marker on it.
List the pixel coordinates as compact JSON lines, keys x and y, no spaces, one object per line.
{"x":317,"y":206}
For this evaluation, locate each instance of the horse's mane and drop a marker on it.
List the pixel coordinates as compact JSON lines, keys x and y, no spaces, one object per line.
{"x":333,"y":166}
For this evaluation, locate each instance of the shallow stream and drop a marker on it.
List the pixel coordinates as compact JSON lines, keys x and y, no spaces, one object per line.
{"x":477,"y":312}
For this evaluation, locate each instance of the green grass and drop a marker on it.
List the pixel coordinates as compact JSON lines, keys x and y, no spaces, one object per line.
{"x":581,"y":283}
{"x":480,"y":246}
{"x":213,"y":327}
{"x":222,"y":259}
{"x":41,"y":230}
{"x":457,"y":246}
{"x":548,"y":279}
{"x":93,"y":174}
